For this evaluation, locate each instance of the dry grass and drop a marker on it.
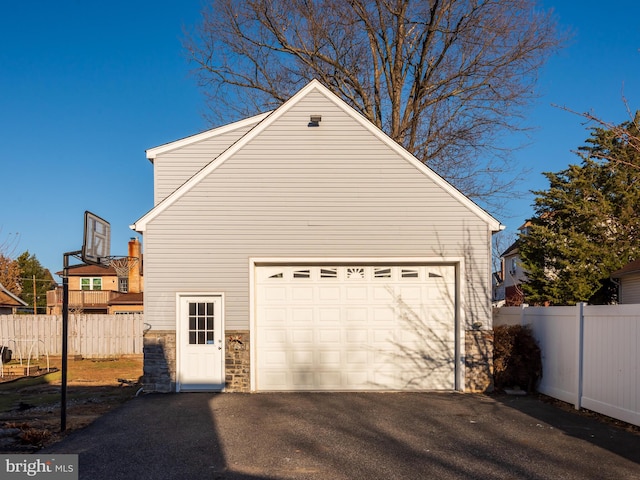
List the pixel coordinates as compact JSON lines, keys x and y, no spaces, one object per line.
{"x":32,"y":405}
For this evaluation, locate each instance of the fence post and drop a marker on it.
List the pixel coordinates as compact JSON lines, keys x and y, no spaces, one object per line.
{"x":523,"y":306}
{"x":579,"y":353}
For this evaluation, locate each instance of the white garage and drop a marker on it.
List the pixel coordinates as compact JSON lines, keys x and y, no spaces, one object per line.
{"x":331,"y":257}
{"x":355,"y":327}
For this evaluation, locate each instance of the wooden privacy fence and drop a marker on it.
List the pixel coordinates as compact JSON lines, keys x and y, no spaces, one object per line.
{"x":590,"y":354}
{"x":90,"y":336}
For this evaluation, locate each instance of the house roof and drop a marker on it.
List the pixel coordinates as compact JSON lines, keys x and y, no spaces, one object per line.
{"x":628,"y":269}
{"x":265,"y":120}
{"x":128,"y":299}
{"x":8,"y":299}
{"x":198,"y":137}
{"x":85,"y":270}
{"x":513,"y":249}
{"x":90,"y":270}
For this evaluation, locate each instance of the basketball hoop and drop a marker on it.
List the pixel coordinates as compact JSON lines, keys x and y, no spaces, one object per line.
{"x":96,"y":242}
{"x":122,"y":265}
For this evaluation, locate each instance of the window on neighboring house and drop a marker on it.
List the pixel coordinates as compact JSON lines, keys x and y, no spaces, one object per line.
{"x":91,"y":283}
{"x":123,"y":285}
{"x":512,"y":269}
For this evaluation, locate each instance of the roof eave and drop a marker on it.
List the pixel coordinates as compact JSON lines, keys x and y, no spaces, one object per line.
{"x":268,"y":118}
{"x":153,"y":152}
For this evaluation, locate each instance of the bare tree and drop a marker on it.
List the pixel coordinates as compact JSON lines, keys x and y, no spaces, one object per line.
{"x":444,"y":78}
{"x":10,"y":271}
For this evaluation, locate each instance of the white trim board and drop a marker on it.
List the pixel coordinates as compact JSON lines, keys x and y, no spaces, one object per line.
{"x":314,"y":85}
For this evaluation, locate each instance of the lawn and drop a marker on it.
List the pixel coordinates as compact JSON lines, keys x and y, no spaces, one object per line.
{"x":30,"y":406}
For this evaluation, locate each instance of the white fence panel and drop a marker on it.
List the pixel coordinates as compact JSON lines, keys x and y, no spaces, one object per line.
{"x":91,"y":336}
{"x":507,"y":316}
{"x":611,"y":364}
{"x":590,"y":354}
{"x":555,"y":329}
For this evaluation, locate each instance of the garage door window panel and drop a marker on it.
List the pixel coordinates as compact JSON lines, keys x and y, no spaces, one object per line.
{"x":409,"y":273}
{"x":355,"y":273}
{"x":302,"y":273}
{"x":329,"y":273}
{"x":382,"y":272}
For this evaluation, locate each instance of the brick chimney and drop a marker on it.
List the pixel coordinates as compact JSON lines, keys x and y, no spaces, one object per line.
{"x":135,"y":279}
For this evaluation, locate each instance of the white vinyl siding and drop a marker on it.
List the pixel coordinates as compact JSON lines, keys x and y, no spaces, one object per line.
{"x":630,"y":289}
{"x":293,"y":191}
{"x":173,"y":168}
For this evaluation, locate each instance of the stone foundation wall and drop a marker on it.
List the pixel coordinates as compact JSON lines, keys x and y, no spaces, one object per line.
{"x":478,"y":361}
{"x":237,"y":361}
{"x":159,"y":371}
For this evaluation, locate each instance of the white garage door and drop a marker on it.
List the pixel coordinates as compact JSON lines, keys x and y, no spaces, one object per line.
{"x":355,"y":327}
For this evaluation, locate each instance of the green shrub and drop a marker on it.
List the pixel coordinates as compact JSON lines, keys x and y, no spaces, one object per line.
{"x":517,"y":362}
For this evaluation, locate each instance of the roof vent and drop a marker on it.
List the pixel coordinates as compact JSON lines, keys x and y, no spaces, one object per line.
{"x":314,"y":120}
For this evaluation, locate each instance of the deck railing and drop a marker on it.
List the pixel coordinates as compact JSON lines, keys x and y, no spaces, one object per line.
{"x":82,"y":298}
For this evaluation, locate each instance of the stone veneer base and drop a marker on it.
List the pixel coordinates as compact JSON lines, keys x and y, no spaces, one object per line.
{"x":159,"y":372}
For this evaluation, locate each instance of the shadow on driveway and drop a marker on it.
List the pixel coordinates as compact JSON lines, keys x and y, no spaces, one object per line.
{"x":346,"y":436}
{"x":604,"y":435}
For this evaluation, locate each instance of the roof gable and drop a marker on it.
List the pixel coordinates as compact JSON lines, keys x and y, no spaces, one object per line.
{"x":8,"y":299}
{"x":270,"y":118}
{"x":152,"y":153}
{"x":628,"y":269}
{"x":84,"y":270}
{"x":514,"y":249}
{"x":128,"y":299}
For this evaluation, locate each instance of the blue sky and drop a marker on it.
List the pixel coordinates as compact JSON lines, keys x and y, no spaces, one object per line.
{"x":86,"y":87}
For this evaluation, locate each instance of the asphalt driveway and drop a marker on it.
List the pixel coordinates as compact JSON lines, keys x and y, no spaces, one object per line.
{"x":349,"y":436}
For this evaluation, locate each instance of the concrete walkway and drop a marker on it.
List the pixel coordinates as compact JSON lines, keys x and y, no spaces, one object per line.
{"x":349,"y":436}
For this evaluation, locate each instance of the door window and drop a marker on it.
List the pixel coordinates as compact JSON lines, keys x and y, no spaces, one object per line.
{"x":201,"y":320}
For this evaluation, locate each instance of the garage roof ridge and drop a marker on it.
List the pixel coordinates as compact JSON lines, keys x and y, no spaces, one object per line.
{"x":270,"y":118}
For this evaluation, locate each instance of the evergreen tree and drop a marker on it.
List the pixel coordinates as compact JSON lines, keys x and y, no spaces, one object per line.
{"x":586,"y":224}
{"x":31,"y":268}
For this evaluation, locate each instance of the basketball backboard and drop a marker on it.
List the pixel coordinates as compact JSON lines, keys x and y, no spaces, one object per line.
{"x":96,"y":242}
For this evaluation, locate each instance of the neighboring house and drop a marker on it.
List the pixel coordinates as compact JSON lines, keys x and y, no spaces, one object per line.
{"x":497,"y":287}
{"x":513,"y":275}
{"x":96,"y":289}
{"x":9,"y":302}
{"x":628,"y":278}
{"x":303,"y":249}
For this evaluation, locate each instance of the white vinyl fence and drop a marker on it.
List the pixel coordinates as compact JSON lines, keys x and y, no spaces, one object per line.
{"x":590,"y":354}
{"x":91,"y":336}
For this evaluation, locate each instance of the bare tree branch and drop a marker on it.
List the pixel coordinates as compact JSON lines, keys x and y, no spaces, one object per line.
{"x":447,"y":79}
{"x":627,"y":132}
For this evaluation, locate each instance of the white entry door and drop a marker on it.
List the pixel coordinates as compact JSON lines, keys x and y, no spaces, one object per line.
{"x":200,"y":344}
